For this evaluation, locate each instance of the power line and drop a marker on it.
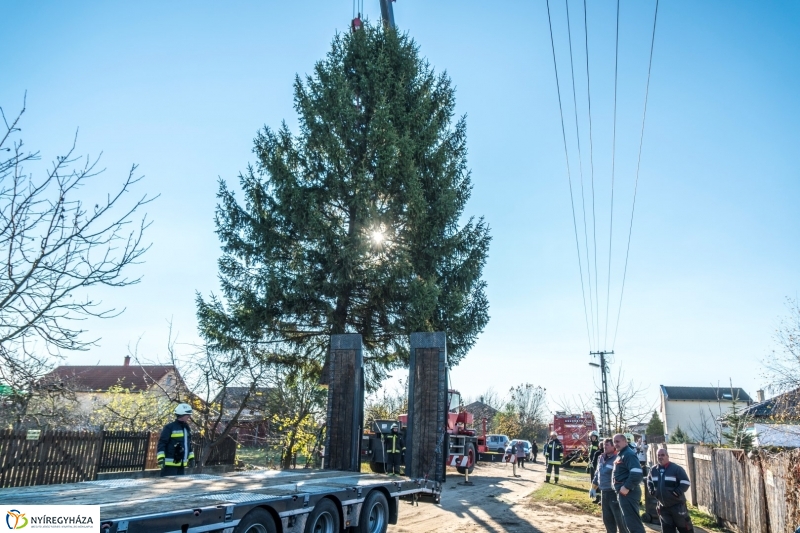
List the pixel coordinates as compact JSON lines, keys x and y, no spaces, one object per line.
{"x":591,"y":161}
{"x":580,"y":162}
{"x":613,"y":167}
{"x":569,"y":175}
{"x":638,"y":165}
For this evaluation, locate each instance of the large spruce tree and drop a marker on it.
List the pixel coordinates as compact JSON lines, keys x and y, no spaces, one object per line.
{"x":355,"y":223}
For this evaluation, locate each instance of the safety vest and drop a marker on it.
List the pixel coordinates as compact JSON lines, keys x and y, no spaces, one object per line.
{"x":554,"y":452}
{"x":394,"y":444}
{"x":174,"y":436}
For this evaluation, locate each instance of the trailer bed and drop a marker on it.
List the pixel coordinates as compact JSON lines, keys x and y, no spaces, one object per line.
{"x":171,"y":504}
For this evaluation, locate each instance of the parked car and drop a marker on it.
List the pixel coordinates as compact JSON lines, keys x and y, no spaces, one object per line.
{"x":525,"y":443}
{"x":496,"y":443}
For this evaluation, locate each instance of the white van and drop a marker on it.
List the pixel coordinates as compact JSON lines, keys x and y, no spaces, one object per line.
{"x":496,"y":443}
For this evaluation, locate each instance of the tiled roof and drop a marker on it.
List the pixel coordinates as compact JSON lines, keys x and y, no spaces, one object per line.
{"x":233,"y":397}
{"x":784,"y":406}
{"x":706,"y":394}
{"x":480,"y":409}
{"x":101,"y":378}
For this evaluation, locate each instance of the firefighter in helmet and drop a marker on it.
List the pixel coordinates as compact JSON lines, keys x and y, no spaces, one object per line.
{"x":594,"y":452}
{"x":553,"y":454}
{"x":394,"y":446}
{"x":175,"y":444}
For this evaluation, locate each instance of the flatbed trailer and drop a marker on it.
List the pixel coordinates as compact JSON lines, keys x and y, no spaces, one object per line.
{"x":234,"y":503}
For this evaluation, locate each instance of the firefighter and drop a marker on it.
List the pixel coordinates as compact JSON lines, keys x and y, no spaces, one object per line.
{"x":594,"y":452}
{"x":553,"y":454}
{"x":394,"y":446}
{"x":668,"y":482}
{"x":175,"y":443}
{"x":627,"y":479}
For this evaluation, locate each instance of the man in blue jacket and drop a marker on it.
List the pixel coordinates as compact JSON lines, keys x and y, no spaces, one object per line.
{"x":612,"y":515}
{"x":668,"y":482}
{"x":627,"y":479}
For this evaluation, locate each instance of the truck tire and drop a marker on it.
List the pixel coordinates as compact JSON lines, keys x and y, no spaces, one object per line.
{"x":324,"y":518}
{"x":257,"y":521}
{"x":374,"y":517}
{"x":378,"y":468}
{"x":473,"y":456}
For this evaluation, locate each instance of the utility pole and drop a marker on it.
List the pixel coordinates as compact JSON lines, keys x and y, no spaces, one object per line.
{"x":605,"y":408}
{"x":387,"y":14}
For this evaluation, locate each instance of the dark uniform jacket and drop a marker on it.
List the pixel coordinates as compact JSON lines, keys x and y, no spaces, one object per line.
{"x":174,"y":437}
{"x":594,"y":453}
{"x":554,"y":452}
{"x":627,"y":471}
{"x":605,"y":468}
{"x":668,"y":484}
{"x":394,"y":443}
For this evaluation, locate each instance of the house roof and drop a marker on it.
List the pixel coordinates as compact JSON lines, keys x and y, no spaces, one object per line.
{"x":481,"y":410}
{"x":234,"y":396}
{"x":783,"y":406}
{"x":101,"y":378}
{"x":709,"y":394}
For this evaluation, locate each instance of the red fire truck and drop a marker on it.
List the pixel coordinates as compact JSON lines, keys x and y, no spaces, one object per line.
{"x":573,"y":432}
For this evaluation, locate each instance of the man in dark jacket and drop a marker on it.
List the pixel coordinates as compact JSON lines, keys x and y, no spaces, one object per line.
{"x":394,"y":446}
{"x":553,"y":454}
{"x":668,"y":482}
{"x":612,"y":514}
{"x":534,"y":450}
{"x":627,"y":479}
{"x":175,"y":444}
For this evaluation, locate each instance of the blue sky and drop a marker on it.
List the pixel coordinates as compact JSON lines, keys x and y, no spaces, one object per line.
{"x":181,"y":89}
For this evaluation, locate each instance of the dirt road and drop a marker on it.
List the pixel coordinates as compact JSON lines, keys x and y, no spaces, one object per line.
{"x":497,"y":503}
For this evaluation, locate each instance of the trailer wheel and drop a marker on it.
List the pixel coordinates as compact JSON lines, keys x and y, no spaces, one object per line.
{"x":257,"y":521}
{"x":472,"y":455}
{"x":378,"y":468}
{"x":324,"y":518}
{"x":374,"y":517}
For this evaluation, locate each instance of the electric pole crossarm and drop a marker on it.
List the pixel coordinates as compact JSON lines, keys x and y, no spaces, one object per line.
{"x":605,"y":408}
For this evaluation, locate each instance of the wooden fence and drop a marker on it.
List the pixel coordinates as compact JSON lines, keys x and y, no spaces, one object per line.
{"x":33,"y":458}
{"x":748,"y":494}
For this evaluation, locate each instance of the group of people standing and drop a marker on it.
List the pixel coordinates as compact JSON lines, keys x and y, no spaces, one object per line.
{"x":617,"y":475}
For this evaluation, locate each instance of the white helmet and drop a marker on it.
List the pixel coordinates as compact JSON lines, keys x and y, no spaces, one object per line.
{"x":394,"y":426}
{"x":594,"y":434}
{"x":183,"y":409}
{"x":553,"y":434}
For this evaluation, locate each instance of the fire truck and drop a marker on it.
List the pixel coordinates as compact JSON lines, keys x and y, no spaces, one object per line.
{"x":463,"y":442}
{"x":573,"y":432}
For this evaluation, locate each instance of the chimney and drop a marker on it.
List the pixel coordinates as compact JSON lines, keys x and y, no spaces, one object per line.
{"x":127,"y":360}
{"x":760,"y":395}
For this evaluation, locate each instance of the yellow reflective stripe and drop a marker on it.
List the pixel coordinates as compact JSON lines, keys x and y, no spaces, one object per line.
{"x":191,"y":455}
{"x":159,"y":455}
{"x":177,"y":435}
{"x":554,"y":462}
{"x":170,"y":463}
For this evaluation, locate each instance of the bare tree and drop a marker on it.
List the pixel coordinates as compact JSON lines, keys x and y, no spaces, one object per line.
{"x":55,"y":243}
{"x":529,"y":402}
{"x":492,"y":398}
{"x":705,"y":429}
{"x":386,"y":403}
{"x":783,"y":365}
{"x":627,"y":403}
{"x":208,"y":375}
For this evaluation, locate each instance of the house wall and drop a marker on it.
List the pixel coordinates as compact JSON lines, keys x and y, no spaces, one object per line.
{"x":692,"y":415}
